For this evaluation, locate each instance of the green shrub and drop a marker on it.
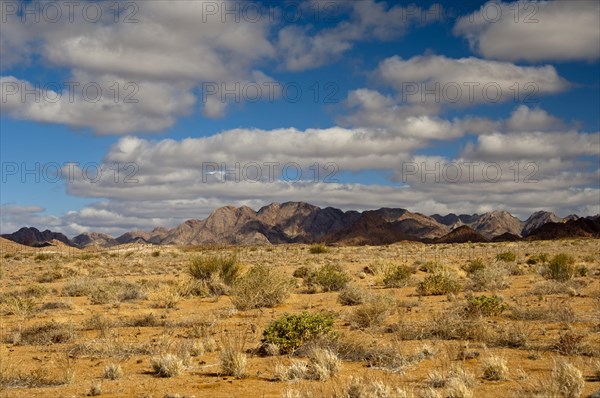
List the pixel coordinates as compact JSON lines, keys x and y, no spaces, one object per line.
{"x":301,"y":272}
{"x":329,"y":277}
{"x":474,"y":265}
{"x":206,"y":268}
{"x":439,"y":283}
{"x":485,"y":306}
{"x":373,"y":313}
{"x":506,"y":256}
{"x":431,"y":267}
{"x":396,"y":276}
{"x":561,"y":268}
{"x":289,"y":332}
{"x":318,"y":249}
{"x":261,"y":286}
{"x":352,"y":295}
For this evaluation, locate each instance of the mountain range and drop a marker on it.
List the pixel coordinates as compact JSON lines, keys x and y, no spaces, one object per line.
{"x":300,"y":222}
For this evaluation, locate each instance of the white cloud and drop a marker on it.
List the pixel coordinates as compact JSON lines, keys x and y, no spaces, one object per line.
{"x":534,"y":30}
{"x":436,"y":80}
{"x":301,"y":48}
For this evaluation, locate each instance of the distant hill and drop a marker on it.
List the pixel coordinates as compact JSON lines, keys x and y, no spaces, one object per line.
{"x":31,"y":236}
{"x":462,"y":234}
{"x":300,"y":222}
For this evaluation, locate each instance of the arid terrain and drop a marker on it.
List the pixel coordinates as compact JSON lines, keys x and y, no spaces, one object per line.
{"x":510,"y":319}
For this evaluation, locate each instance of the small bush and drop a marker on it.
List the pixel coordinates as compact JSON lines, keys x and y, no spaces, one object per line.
{"x":302,"y":272}
{"x":561,"y":268}
{"x":352,"y":295}
{"x":567,"y":379}
{"x":329,"y":277}
{"x":318,"y":249}
{"x":431,"y":267}
{"x":506,"y":256}
{"x":43,"y":257}
{"x":495,"y":368}
{"x":439,"y":283}
{"x":474,"y":265}
{"x":167,"y":365}
{"x":396,"y":276}
{"x":373,"y":313}
{"x":261,"y":286}
{"x":155,"y":253}
{"x":206,"y":268}
{"x":485,"y":306}
{"x":113,"y":371}
{"x":492,"y":277}
{"x":47,"y":333}
{"x":233,"y":362}
{"x":289,"y":332}
{"x":570,"y":343}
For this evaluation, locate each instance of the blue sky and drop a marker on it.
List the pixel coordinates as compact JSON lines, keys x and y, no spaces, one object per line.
{"x":400,"y":104}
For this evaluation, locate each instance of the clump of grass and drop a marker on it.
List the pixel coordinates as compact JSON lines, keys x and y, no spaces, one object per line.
{"x":95,"y":389}
{"x":474,"y":265}
{"x":79,"y":287}
{"x":373,"y":313}
{"x":167,"y":365}
{"x":396,"y":276}
{"x":47,"y":334}
{"x":485,"y":306}
{"x":567,"y":380}
{"x":113,"y":371}
{"x":289,"y":331}
{"x":318,"y":249}
{"x":155,"y":253}
{"x":507,"y":256}
{"x":167,"y":296}
{"x":302,"y":272}
{"x":329,"y":278}
{"x":352,"y":295}
{"x":261,"y":286}
{"x":323,"y":364}
{"x":439,"y":283}
{"x":232,"y":361}
{"x":205,"y":268}
{"x":43,"y":257}
{"x":495,"y":368}
{"x":560,"y":268}
{"x":491,"y":277}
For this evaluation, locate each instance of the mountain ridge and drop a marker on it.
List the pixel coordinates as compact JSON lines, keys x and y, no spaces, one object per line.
{"x":301,"y":222}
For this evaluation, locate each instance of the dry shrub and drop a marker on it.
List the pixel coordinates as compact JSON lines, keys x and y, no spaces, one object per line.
{"x":232,"y":358}
{"x":328,"y":278}
{"x":561,"y":268}
{"x":261,"y":286}
{"x":353,"y":295}
{"x":205,"y":268}
{"x":373,"y":313}
{"x":322,"y":364}
{"x":439,"y":283}
{"x":567,"y":380}
{"x":395,"y":276}
{"x":491,"y":277}
{"x":167,"y":365}
{"x":494,"y":368}
{"x":47,"y":333}
{"x":113,"y":371}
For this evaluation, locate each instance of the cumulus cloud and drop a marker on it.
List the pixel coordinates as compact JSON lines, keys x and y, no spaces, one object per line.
{"x":168,"y":49}
{"x":437,"y":79}
{"x":534,"y":30}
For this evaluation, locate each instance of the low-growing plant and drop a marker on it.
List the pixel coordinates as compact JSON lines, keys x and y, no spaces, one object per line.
{"x":205,"y":268}
{"x":439,"y":283}
{"x":485,"y":306}
{"x":352,"y":295}
{"x":431,"y":267}
{"x":233,"y":361}
{"x":560,"y":268}
{"x":396,"y":276}
{"x":261,"y":286}
{"x":113,"y":371}
{"x":495,"y":368}
{"x":329,"y":278}
{"x":372,"y":313}
{"x":507,"y":256}
{"x":302,"y":272}
{"x":167,"y":365}
{"x":318,"y":249}
{"x":492,"y":277}
{"x":290,"y":331}
{"x":567,"y":380}
{"x":474,"y":265}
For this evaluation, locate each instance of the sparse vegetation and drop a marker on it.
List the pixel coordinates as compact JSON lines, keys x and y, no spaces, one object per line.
{"x":318,"y":249}
{"x":507,"y":256}
{"x":289,"y":332}
{"x":485,"y":306}
{"x":329,"y":278}
{"x":437,"y":284}
{"x":261,"y":286}
{"x":560,"y":268}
